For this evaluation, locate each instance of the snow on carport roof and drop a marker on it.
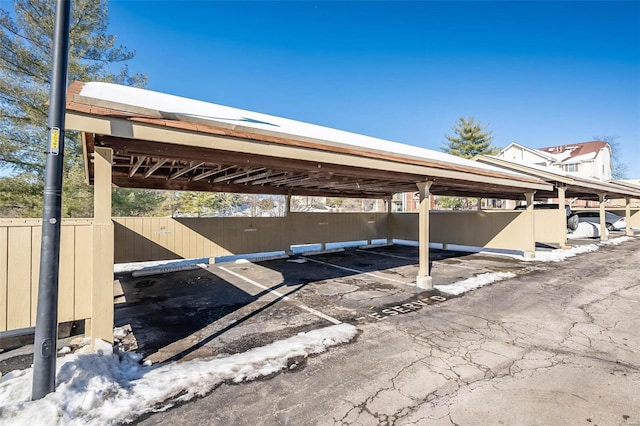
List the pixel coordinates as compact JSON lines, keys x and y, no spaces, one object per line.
{"x":135,"y":105}
{"x":238,"y":119}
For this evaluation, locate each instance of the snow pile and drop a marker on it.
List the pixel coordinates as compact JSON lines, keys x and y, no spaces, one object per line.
{"x":474,"y":282}
{"x":159,"y":265}
{"x":616,"y":241}
{"x":561,"y":254}
{"x":104,"y":388}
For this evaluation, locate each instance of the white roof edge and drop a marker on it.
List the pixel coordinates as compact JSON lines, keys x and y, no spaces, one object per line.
{"x":529,"y":165}
{"x":230,"y":117}
{"x":570,"y":177}
{"x":634,"y":183}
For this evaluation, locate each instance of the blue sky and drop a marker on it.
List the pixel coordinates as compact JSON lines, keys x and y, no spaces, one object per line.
{"x":537,"y":73}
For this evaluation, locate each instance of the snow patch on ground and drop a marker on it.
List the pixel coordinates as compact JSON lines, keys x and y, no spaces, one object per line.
{"x":157,"y":265}
{"x":101,"y":387}
{"x":616,"y":241}
{"x":541,"y":256}
{"x":474,"y":282}
{"x":561,"y":254}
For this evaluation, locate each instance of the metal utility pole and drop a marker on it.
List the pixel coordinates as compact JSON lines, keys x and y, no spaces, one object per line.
{"x":44,"y":352}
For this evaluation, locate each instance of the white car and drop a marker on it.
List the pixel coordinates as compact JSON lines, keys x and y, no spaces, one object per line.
{"x":613,"y":221}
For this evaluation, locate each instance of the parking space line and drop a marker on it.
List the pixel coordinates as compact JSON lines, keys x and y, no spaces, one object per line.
{"x":455,"y":265}
{"x":357,"y":271}
{"x":282,"y":296}
{"x":415,"y":259}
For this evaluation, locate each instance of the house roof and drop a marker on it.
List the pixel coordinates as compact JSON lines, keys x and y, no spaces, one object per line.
{"x":542,"y":154}
{"x":162,"y":141}
{"x":576,"y":152}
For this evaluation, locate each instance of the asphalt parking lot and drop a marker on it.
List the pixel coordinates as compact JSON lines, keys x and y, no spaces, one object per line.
{"x":557,"y":344}
{"x":230,"y":307}
{"x":226,"y":308}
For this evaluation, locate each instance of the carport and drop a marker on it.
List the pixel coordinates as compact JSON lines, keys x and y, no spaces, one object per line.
{"x":136,"y":138}
{"x":572,"y":186}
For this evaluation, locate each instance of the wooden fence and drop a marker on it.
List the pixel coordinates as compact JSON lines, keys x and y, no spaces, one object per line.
{"x":142,"y":239}
{"x":20,"y":266}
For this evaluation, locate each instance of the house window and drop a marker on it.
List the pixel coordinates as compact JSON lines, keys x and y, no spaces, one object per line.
{"x":570,"y":167}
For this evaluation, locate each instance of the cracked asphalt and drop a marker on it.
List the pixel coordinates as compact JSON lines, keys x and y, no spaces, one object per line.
{"x":559,"y":344}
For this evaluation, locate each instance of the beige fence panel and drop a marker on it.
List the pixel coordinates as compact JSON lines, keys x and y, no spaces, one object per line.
{"x":492,"y":229}
{"x":310,"y":228}
{"x":143,"y":239}
{"x":404,"y":226}
{"x":19,"y":269}
{"x":550,"y":226}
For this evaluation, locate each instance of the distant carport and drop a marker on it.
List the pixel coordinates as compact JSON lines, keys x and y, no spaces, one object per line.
{"x":136,"y":138}
{"x":573,"y":186}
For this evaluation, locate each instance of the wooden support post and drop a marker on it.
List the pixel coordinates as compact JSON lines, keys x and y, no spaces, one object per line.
{"x":287,"y":205}
{"x":604,"y":232}
{"x":479,"y":205}
{"x":530,"y":254}
{"x":389,"y":222}
{"x":423,"y":280}
{"x":562,"y":232}
{"x":627,"y":218}
{"x":101,"y":325}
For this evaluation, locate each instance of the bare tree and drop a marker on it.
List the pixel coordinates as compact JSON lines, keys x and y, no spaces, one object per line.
{"x":618,"y":167}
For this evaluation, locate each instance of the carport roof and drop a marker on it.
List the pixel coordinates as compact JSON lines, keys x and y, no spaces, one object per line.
{"x":576,"y":186}
{"x":162,"y":141}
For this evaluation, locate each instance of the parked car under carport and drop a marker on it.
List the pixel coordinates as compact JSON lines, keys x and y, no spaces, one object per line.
{"x":613,"y":221}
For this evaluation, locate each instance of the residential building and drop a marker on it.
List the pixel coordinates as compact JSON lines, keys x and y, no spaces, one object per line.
{"x":405,"y":202}
{"x":588,"y":159}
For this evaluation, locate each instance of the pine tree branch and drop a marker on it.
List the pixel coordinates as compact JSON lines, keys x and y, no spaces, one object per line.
{"x":44,"y":49}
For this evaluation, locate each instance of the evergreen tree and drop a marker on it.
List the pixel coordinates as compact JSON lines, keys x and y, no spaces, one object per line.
{"x":470,"y":139}
{"x":26,"y":46}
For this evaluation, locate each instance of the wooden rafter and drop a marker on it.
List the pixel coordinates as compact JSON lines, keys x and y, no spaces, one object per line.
{"x":155,"y":167}
{"x":273,"y":178}
{"x":135,"y":167}
{"x":219,"y":169}
{"x":253,"y":177}
{"x":231,"y":176}
{"x":192,"y":166}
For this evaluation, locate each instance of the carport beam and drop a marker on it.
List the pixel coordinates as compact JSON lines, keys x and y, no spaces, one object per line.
{"x":423,"y":280}
{"x":604,"y":232}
